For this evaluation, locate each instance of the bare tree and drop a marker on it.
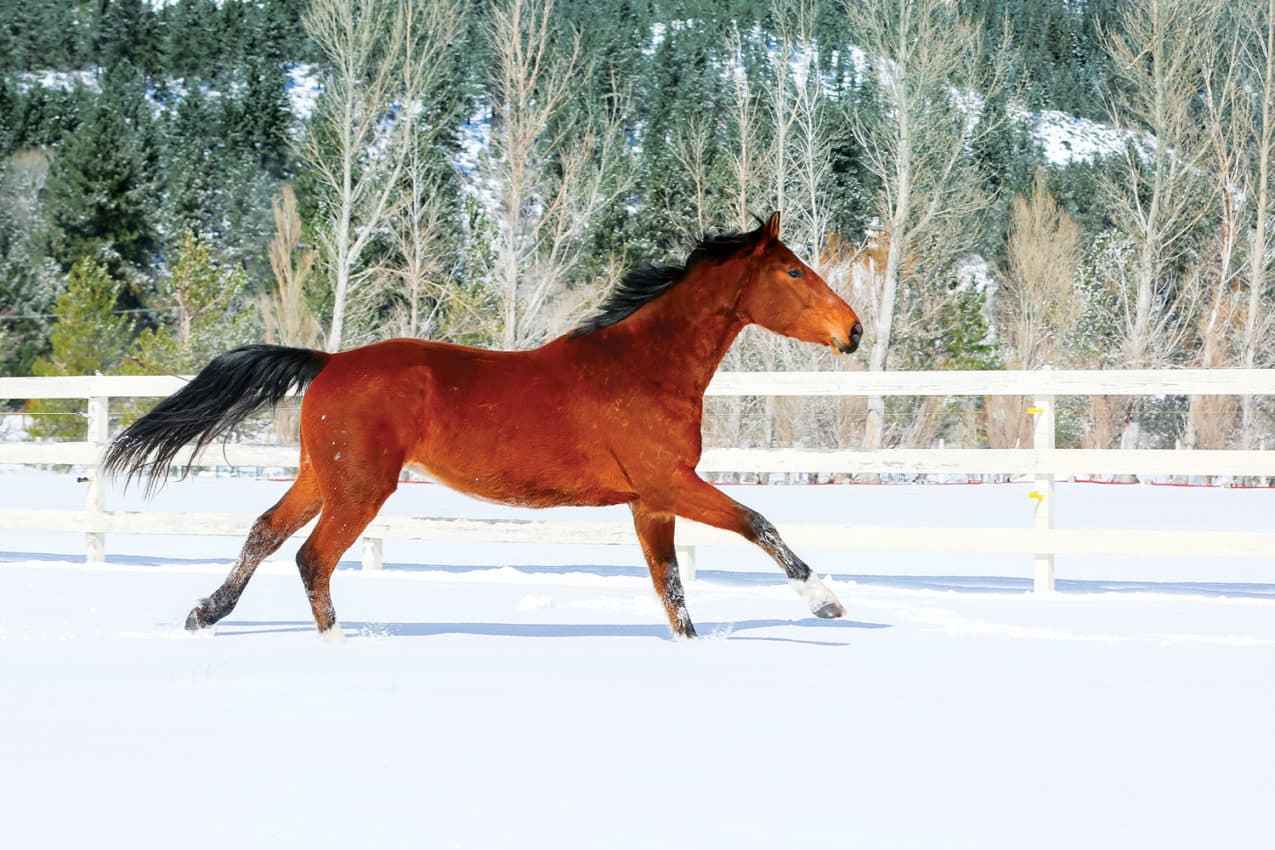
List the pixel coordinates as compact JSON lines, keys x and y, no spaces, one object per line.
{"x":1159,"y":193}
{"x":691,"y":145}
{"x":925,"y":57}
{"x":1259,"y":61}
{"x":284,"y":312}
{"x":380,"y":54}
{"x":553,"y":176}
{"x":1036,"y":305}
{"x":1229,"y":118}
{"x":802,"y":160}
{"x":412,"y":285}
{"x":748,"y":154}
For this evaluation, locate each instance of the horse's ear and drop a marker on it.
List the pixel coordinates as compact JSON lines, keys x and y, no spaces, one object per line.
{"x":770,"y":231}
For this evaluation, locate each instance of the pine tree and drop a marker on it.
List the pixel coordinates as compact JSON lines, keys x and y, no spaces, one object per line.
{"x":193,"y":164}
{"x":88,"y":337}
{"x":126,"y":34}
{"x":99,"y":198}
{"x":27,"y":291}
{"x":258,"y":124}
{"x":205,"y":312}
{"x":1006,"y":160}
{"x":189,"y":40}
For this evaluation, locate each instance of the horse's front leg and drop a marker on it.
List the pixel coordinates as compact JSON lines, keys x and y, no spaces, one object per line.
{"x":655,"y":533}
{"x":694,"y":498}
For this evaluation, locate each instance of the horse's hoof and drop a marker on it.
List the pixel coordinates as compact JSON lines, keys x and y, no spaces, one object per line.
{"x":688,"y":634}
{"x":195,"y":621}
{"x":830,"y":611}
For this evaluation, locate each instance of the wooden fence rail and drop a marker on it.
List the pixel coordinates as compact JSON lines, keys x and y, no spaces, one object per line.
{"x":1043,"y":462}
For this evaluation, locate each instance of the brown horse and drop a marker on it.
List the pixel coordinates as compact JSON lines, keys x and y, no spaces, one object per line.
{"x":608,"y":414}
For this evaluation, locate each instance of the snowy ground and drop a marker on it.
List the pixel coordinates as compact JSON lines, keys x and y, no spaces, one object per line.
{"x":504,"y":698}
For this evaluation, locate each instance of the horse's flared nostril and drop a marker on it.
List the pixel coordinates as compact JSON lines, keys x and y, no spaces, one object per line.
{"x":856,"y":333}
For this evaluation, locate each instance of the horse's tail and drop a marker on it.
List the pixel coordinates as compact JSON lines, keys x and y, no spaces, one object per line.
{"x":221,"y":396}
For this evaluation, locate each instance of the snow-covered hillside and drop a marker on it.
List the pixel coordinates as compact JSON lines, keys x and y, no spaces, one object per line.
{"x":1067,"y":138}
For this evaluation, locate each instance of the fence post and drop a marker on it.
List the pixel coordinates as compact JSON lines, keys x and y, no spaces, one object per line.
{"x":98,"y":434}
{"x":1043,"y":494}
{"x":372,"y":553}
{"x":686,"y":563}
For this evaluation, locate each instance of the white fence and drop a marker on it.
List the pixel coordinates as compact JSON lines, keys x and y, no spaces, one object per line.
{"x":1043,"y":462}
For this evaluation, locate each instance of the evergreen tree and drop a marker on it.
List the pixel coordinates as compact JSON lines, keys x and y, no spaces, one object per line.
{"x":257,"y":124}
{"x":43,"y":35}
{"x":205,"y":312}
{"x":190,"y":44}
{"x":193,"y":163}
{"x":852,"y":200}
{"x":99,"y":199}
{"x":42,"y":117}
{"x":126,"y":34}
{"x":88,"y":336}
{"x":1007,"y":159}
{"x":28,"y":287}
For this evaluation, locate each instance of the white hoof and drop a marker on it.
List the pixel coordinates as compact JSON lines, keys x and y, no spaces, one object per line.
{"x":823,"y":603}
{"x":332,"y":635}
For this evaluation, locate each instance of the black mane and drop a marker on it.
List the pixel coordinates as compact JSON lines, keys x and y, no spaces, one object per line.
{"x":646,"y":283}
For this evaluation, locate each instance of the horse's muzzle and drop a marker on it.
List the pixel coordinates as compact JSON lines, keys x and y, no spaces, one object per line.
{"x":856,"y":334}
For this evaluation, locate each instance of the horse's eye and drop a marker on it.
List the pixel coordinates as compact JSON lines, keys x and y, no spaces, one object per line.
{"x":796,"y":273}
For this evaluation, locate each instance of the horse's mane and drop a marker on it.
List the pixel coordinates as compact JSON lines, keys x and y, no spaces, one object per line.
{"x":646,"y":283}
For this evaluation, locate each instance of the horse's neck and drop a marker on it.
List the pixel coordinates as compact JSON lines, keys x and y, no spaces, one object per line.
{"x":685,"y":332}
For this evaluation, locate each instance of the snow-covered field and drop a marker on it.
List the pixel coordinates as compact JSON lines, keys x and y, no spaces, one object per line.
{"x":526,"y":697}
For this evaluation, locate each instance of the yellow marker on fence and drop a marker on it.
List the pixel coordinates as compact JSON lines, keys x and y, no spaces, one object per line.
{"x":1035,"y":411}
{"x":1036,"y":495}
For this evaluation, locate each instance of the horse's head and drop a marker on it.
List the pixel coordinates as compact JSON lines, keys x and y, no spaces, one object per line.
{"x":784,"y":295}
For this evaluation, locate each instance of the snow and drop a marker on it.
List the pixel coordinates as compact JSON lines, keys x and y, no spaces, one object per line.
{"x":89,"y":78}
{"x":1067,"y":138}
{"x":524,"y":697}
{"x":303,"y":88}
{"x":475,"y":138}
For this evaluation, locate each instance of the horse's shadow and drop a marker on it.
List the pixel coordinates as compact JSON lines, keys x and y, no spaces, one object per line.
{"x":729,"y":630}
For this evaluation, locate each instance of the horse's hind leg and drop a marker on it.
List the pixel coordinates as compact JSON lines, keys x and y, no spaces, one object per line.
{"x":655,"y":533}
{"x":348,"y":507}
{"x":297,"y":507}
{"x":696,"y":499}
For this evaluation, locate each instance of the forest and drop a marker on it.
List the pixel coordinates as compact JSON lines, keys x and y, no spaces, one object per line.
{"x":992,"y":184}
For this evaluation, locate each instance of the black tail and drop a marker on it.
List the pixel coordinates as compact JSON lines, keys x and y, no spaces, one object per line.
{"x":224,"y":394}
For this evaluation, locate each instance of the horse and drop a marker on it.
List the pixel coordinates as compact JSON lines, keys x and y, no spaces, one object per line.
{"x":607,"y":414}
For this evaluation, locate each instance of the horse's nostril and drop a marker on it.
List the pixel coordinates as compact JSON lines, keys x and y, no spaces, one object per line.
{"x":856,"y":332}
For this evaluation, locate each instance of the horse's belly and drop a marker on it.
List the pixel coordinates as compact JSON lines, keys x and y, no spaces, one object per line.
{"x":507,"y":487}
